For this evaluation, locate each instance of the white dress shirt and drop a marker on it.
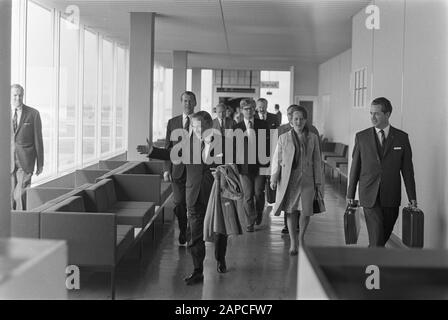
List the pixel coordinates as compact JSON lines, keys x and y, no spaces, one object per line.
{"x":386,"y":133}
{"x":19,"y":114}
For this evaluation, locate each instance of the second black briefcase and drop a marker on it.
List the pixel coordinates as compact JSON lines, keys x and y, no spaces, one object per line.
{"x":413,"y":227}
{"x":352,"y":224}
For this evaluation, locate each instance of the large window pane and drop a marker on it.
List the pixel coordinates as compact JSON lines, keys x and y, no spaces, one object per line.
{"x":39,"y":90}
{"x":121,"y":99}
{"x":107,"y":97}
{"x":89,"y":117}
{"x":162,"y":100}
{"x":68,"y":83}
{"x":206,"y":90}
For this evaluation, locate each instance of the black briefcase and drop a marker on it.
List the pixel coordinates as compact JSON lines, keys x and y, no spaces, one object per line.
{"x":270,"y":194}
{"x":352,"y":223}
{"x":413,"y":227}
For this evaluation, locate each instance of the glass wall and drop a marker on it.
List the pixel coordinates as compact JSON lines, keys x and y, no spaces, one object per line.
{"x":77,"y":80}
{"x":162,"y":100}
{"x":40,"y":91}
{"x":68,"y":85}
{"x":90,"y":97}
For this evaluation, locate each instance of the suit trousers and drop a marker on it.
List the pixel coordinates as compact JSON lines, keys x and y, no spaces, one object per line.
{"x":180,"y":205}
{"x":380,"y":223}
{"x":20,"y":180}
{"x":196,"y":241}
{"x":253,"y":189}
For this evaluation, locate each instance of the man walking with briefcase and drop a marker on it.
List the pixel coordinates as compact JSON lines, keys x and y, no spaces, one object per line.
{"x":379,"y":155}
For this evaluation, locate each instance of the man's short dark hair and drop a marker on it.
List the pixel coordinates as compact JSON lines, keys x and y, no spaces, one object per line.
{"x":385,"y":104}
{"x":188,"y":93}
{"x":247,"y":102}
{"x":277,"y":107}
{"x":262,"y":100}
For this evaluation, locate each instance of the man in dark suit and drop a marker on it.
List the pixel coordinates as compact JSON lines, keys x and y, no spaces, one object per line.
{"x":176,"y":172}
{"x":284,"y":128}
{"x":379,"y":155}
{"x":278,"y":113}
{"x":199,"y":182}
{"x":27,"y":147}
{"x":222,"y":122}
{"x":263,"y":114}
{"x":253,"y":183}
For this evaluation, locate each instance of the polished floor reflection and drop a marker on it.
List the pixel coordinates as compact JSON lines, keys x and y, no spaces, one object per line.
{"x":259,"y":266}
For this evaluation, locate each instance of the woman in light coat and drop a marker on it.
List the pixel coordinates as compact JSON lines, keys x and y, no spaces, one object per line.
{"x":296,"y":173}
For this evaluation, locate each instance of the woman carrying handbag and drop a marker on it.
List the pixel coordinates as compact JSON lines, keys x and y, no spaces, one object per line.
{"x":296,"y":174}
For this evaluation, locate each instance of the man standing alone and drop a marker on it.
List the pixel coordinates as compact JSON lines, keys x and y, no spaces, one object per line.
{"x":379,"y":155}
{"x":26,"y":147}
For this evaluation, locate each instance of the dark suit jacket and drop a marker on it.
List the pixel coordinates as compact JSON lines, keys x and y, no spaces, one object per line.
{"x":279,"y":117}
{"x":176,"y":170}
{"x":27,"y":141}
{"x":271,"y":119}
{"x":228,"y":123}
{"x":198,"y":185}
{"x":377,"y":172}
{"x":247,"y":168}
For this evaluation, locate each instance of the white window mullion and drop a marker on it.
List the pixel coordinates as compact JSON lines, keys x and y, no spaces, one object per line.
{"x":114,"y":99}
{"x":80,"y":100}
{"x":100,"y":95}
{"x":56,"y":74}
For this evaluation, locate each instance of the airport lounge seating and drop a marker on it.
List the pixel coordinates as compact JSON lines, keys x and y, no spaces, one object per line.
{"x":94,"y":239}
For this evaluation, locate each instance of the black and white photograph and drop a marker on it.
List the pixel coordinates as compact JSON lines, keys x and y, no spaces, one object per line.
{"x":215,"y":158}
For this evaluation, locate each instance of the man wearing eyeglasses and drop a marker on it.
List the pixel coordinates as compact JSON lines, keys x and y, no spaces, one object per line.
{"x":252,"y":182}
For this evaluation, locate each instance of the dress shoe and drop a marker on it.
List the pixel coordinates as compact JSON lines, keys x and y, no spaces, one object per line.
{"x":182,"y":238}
{"x":194,"y":278}
{"x":285,"y":230}
{"x":259,"y":219}
{"x":293,"y":252}
{"x":250,"y":228}
{"x":222,"y":268}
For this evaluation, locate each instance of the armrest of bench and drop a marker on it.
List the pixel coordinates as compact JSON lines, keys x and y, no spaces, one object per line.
{"x":91,"y":237}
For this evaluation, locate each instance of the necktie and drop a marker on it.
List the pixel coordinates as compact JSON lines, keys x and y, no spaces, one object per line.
{"x":14,"y":121}
{"x":187,"y":124}
{"x":383,"y":138}
{"x":221,"y":124}
{"x":250,"y":125}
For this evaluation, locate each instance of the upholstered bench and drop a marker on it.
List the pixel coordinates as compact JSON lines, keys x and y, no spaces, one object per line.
{"x":102,"y":197}
{"x":94,"y":239}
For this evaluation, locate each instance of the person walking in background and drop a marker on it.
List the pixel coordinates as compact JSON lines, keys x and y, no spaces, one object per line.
{"x":296,"y":173}
{"x":176,"y":172}
{"x":27,"y":148}
{"x":222,"y":122}
{"x":252,"y":182}
{"x":263,"y":114}
{"x":379,"y":155}
{"x":238,"y":116}
{"x":278,"y":113}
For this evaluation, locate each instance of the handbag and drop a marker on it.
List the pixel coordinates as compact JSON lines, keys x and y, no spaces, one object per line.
{"x":318,"y":202}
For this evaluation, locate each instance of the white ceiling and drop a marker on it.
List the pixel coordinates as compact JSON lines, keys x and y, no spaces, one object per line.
{"x":268,"y":34}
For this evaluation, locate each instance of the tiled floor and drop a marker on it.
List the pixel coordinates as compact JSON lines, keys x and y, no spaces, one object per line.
{"x":259,"y":266}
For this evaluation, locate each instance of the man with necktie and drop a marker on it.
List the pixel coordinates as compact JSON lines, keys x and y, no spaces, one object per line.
{"x":27,"y":148}
{"x":380,"y":154}
{"x":252,"y":182}
{"x":176,"y":172}
{"x":199,"y":182}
